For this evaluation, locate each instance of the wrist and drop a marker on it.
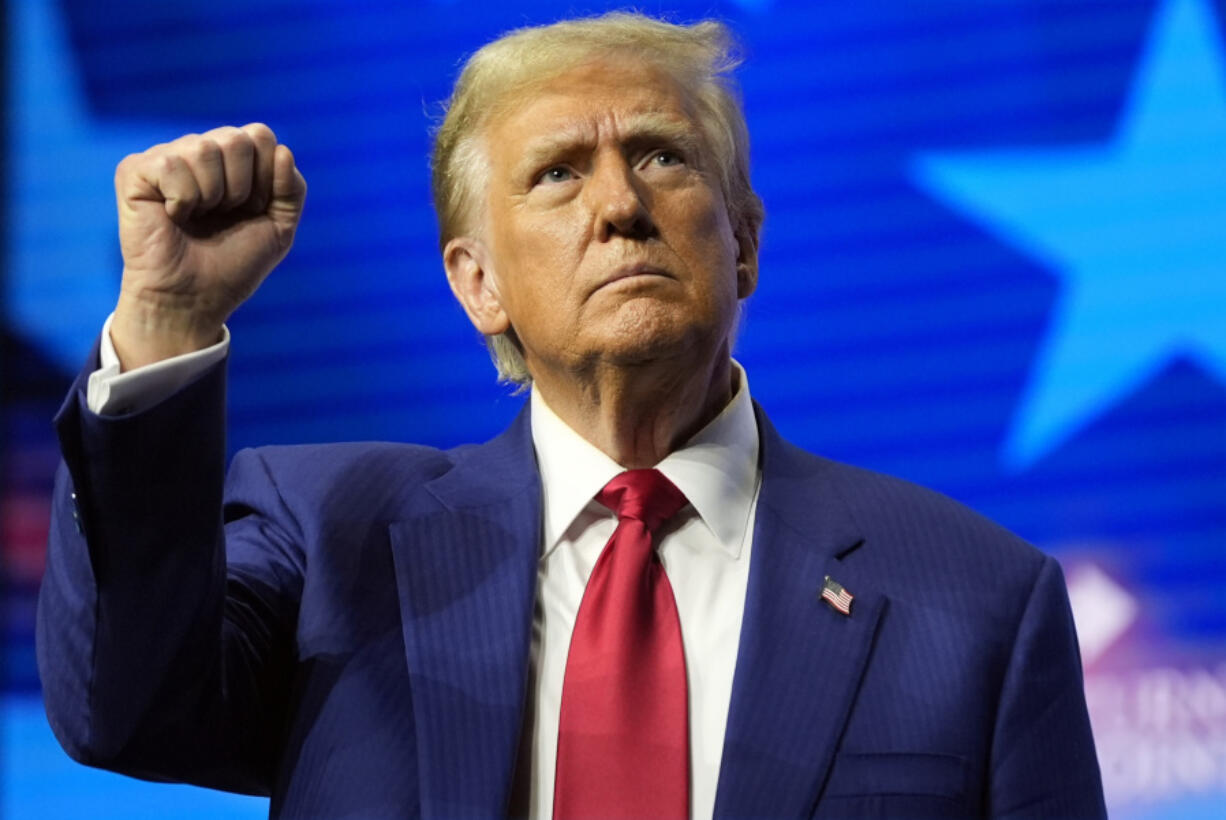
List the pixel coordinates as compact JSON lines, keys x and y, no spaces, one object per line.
{"x":147,"y":329}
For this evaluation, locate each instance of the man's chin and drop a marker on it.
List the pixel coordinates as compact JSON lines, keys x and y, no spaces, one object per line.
{"x":657,"y":339}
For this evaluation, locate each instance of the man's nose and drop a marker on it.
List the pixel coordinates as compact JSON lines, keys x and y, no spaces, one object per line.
{"x":621,"y":203}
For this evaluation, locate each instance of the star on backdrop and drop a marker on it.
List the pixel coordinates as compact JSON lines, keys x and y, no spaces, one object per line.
{"x":63,"y":258}
{"x":1134,"y":230}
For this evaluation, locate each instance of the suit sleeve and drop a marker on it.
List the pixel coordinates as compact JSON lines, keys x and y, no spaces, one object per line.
{"x":157,"y":658}
{"x":1043,"y":763}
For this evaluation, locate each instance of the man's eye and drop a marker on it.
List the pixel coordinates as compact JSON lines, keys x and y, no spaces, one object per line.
{"x":667,"y":158}
{"x":558,"y":173}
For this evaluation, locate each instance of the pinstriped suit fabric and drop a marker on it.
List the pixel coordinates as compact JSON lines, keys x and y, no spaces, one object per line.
{"x":354,"y":642}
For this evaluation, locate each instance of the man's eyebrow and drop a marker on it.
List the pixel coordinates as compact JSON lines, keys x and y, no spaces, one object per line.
{"x":636,"y":131}
{"x":549,"y":147}
{"x":647,"y":128}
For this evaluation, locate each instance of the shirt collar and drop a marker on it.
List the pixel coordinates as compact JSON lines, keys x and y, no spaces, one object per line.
{"x":717,"y":469}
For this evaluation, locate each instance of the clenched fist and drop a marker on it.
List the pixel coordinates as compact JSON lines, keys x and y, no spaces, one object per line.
{"x":202,"y":221}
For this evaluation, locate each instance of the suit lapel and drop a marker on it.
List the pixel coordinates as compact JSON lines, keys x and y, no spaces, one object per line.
{"x":465,"y":564}
{"x":800,"y":662}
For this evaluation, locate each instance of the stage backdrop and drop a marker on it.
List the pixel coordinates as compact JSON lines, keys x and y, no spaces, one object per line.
{"x":994,"y":262}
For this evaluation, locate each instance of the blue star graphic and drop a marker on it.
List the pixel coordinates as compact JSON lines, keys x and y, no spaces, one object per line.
{"x":63,"y":257}
{"x":1135,"y":229}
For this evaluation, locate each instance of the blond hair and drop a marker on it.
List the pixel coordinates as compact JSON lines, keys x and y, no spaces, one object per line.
{"x":699,"y":57}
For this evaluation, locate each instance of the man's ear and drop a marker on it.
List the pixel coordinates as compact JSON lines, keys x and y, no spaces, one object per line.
{"x":746,"y":259}
{"x":472,"y":280}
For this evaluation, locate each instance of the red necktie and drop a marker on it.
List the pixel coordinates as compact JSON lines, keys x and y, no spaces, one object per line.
{"x":623,"y":732}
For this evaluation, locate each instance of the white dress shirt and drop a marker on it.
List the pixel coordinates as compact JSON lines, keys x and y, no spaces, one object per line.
{"x":706,"y":555}
{"x":112,"y":393}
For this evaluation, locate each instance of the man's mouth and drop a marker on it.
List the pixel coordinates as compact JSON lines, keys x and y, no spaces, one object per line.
{"x":636,"y":271}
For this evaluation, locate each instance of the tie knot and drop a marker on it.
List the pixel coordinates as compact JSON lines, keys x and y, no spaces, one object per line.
{"x":643,"y":495}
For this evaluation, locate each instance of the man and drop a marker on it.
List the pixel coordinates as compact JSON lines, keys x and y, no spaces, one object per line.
{"x":638,"y":601}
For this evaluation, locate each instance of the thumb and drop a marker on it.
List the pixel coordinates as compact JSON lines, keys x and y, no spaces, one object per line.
{"x":288,"y":190}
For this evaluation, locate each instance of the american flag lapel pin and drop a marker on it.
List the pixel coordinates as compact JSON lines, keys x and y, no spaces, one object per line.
{"x":838,"y":598}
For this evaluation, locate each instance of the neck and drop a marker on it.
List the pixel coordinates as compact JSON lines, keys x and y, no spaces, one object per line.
{"x":639,"y":414}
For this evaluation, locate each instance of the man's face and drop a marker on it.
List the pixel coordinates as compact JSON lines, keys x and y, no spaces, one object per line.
{"x":606,"y":237}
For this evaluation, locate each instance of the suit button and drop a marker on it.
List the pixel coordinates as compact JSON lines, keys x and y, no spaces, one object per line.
{"x":76,"y":515}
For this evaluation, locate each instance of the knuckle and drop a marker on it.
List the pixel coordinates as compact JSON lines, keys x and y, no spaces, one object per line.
{"x":126,"y":165}
{"x":164,"y":164}
{"x":261,"y":133}
{"x":178,"y":144}
{"x":205,"y":150}
{"x":238,"y":156}
{"x":221,"y":133}
{"x":185,"y":202}
{"x":230,"y":137}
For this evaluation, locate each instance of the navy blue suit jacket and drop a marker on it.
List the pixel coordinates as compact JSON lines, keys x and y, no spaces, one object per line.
{"x":347,"y":629}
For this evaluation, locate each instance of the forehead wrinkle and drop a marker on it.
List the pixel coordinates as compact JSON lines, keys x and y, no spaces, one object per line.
{"x":630,"y":130}
{"x":558,"y":142}
{"x":658,"y":126}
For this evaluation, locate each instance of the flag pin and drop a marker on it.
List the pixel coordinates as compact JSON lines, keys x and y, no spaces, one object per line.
{"x":834,"y":594}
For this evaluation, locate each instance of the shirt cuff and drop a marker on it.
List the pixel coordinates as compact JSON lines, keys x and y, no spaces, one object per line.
{"x":114,"y":393}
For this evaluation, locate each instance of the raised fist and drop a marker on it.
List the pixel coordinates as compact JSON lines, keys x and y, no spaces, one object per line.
{"x":202,"y":221}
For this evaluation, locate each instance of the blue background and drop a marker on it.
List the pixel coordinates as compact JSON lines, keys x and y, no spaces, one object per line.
{"x":994,"y":262}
